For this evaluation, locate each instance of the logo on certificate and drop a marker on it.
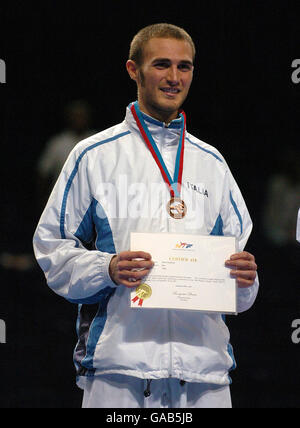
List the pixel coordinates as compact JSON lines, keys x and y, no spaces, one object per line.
{"x":183,"y":245}
{"x":142,"y":292}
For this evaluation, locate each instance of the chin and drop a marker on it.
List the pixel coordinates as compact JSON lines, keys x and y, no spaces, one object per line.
{"x":169,"y":106}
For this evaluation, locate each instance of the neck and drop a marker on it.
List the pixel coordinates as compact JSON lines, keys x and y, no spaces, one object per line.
{"x":162,"y":116}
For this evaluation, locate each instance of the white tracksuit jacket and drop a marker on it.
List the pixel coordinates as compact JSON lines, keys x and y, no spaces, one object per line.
{"x":109,"y":187}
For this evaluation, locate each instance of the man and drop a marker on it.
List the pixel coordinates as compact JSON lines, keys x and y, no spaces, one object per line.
{"x":111,"y":186}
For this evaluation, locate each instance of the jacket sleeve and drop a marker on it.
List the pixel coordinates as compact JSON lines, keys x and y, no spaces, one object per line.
{"x":71,"y":270}
{"x":237,"y":222}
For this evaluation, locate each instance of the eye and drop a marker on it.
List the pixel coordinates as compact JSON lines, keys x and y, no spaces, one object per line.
{"x":161,"y":65}
{"x":185,"y":67}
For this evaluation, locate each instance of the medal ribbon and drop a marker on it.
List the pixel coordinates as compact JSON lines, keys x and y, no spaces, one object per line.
{"x":136,"y":298}
{"x":175,"y":184}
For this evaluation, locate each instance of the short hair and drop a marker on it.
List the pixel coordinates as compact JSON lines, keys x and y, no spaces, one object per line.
{"x":163,"y":30}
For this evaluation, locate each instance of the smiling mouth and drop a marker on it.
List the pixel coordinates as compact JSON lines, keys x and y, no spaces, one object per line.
{"x":171,"y":91}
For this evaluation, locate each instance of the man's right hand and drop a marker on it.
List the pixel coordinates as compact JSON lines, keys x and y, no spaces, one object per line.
{"x":128,"y":268}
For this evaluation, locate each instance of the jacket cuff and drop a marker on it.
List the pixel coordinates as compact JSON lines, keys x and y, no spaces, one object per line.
{"x":107,"y":279}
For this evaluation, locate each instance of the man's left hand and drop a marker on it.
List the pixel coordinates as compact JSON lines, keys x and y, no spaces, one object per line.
{"x":244,"y":268}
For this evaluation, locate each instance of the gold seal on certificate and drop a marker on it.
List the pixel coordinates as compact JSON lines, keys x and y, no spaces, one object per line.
{"x":142,"y":292}
{"x":176,"y":208}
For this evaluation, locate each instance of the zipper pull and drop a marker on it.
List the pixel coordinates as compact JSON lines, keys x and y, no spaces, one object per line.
{"x":147,"y":391}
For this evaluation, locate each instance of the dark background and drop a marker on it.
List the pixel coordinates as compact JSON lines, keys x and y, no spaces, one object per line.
{"x":242,"y":101}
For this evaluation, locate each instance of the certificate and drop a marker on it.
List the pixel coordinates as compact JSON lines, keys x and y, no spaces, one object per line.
{"x":189,"y":273}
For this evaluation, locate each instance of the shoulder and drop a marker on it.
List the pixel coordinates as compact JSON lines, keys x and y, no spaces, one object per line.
{"x":204,"y":149}
{"x":100,"y":139}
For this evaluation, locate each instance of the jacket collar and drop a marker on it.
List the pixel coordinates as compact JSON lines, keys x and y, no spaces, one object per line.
{"x":153,"y":124}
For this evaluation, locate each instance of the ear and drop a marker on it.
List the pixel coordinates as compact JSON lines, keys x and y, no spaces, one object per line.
{"x":132,"y":69}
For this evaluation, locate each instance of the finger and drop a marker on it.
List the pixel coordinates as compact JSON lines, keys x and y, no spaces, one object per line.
{"x":244,"y":283}
{"x":134,"y":275}
{"x":242,"y":255}
{"x":130,"y":284}
{"x":247,"y":274}
{"x":244,"y":278}
{"x":242,"y":264}
{"x":130,"y":255}
{"x":135,"y":264}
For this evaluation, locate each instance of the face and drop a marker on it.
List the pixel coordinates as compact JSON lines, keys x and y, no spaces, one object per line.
{"x":165,"y":77}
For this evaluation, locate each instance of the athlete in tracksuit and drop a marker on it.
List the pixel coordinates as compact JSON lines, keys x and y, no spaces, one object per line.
{"x":90,"y":203}
{"x":109,"y":187}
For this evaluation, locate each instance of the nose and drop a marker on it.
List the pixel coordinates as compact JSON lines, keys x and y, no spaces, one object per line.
{"x":172,"y":76}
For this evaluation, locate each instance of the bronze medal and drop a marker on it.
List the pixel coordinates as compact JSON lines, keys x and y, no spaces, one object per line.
{"x":176,"y":208}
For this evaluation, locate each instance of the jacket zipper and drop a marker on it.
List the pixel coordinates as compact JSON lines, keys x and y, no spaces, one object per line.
{"x":170,"y":345}
{"x":170,"y":370}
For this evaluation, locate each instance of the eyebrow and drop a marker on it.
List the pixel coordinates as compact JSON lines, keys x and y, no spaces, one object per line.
{"x":183,"y":61}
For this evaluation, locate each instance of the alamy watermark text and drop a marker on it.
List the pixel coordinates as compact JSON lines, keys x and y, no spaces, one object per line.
{"x":2,"y":71}
{"x":296,"y":73}
{"x":296,"y":331}
{"x":2,"y":331}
